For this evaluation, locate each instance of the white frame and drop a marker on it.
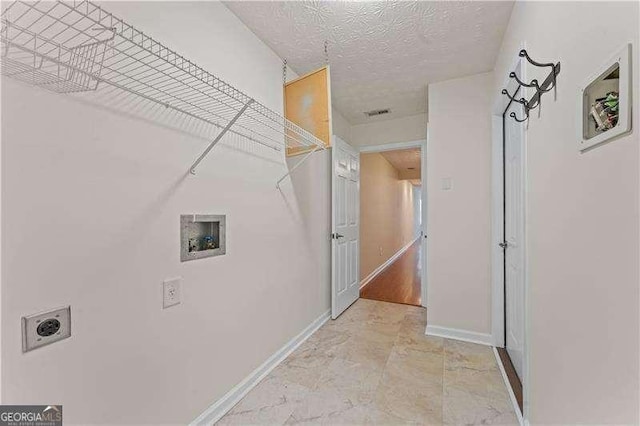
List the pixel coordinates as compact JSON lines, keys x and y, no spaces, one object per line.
{"x":497,"y":256}
{"x":623,"y":58}
{"x":422,"y":144}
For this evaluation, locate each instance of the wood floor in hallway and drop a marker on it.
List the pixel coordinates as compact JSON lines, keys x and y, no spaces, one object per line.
{"x":400,"y":281}
{"x":375,"y":366}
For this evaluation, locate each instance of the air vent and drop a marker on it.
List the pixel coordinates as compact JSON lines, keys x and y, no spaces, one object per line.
{"x":377,"y":112}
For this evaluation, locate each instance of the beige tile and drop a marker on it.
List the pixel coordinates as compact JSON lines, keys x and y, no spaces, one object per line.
{"x":369,"y":350}
{"x":472,"y":368}
{"x":418,"y":314}
{"x":412,"y":329}
{"x":374,"y":365}
{"x":352,"y":380}
{"x":409,"y":363}
{"x":485,"y":384}
{"x":330,"y":408}
{"x":271,"y":402}
{"x":405,"y":400}
{"x":380,"y":417}
{"x":394,"y":311}
{"x":460,"y":407}
{"x":469,"y":355}
{"x":430,"y":344}
{"x":368,"y":322}
{"x":328,"y":340}
{"x":303,"y":367}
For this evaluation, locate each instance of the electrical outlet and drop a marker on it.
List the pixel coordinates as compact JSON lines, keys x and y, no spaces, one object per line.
{"x":46,"y":327}
{"x":171,"y":292}
{"x":380,"y":250}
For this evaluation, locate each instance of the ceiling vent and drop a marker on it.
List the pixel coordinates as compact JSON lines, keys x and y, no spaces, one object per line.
{"x":376,"y":112}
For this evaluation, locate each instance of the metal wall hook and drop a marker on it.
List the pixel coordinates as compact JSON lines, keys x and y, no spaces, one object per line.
{"x":522,"y":101}
{"x":513,"y":115}
{"x":523,"y":54}
{"x":540,"y":89}
{"x":535,"y":101}
{"x":534,"y":83}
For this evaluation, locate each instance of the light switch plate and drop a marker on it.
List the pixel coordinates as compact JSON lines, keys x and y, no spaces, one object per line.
{"x":447,"y":184}
{"x":46,"y":327}
{"x":171,"y":292}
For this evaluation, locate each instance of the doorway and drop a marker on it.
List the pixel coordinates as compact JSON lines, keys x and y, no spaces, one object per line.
{"x":392,"y":214}
{"x":509,"y":236}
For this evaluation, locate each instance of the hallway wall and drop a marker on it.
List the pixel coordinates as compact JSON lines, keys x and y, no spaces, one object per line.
{"x":380,"y":132}
{"x":91,"y":204}
{"x":459,"y":218}
{"x":582,"y":221}
{"x":386,"y":212}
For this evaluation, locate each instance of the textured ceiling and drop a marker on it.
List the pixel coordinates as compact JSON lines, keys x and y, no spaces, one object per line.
{"x":382,"y":54}
{"x":404,"y":159}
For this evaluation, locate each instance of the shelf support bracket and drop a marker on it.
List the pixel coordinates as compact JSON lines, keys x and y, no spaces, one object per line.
{"x":297,"y":165}
{"x":220,"y":135}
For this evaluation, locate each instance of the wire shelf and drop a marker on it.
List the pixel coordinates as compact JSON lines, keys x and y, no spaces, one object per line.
{"x":71,"y":47}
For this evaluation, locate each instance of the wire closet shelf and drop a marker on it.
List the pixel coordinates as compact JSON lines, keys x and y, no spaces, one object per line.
{"x":71,"y":47}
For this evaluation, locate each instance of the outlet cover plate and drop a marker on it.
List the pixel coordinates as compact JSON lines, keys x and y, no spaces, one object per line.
{"x":171,"y":292}
{"x":30,"y":325}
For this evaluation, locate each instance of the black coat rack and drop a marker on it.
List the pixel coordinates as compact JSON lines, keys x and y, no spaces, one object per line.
{"x":547,"y":85}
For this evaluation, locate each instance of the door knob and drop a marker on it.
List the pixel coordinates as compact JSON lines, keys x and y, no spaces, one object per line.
{"x":504,"y":245}
{"x":336,"y":236}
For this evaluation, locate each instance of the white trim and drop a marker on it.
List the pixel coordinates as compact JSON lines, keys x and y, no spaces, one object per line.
{"x":512,"y":396}
{"x":389,"y":261}
{"x":457,"y":334}
{"x":219,"y":408}
{"x":425,"y":209}
{"x":497,"y":304}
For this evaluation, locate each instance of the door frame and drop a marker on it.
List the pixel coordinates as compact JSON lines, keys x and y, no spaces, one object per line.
{"x":422,"y":144}
{"x":500,"y":103}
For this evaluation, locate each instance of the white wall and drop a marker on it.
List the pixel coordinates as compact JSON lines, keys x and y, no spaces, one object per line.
{"x":341,"y":126}
{"x":91,"y":201}
{"x":380,"y":132}
{"x":459,"y":220}
{"x":582,"y":222}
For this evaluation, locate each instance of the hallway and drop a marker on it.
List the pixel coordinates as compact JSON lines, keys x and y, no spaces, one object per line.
{"x":374,"y":365}
{"x":400,"y":281}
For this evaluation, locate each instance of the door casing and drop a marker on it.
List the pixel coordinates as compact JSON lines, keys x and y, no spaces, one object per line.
{"x":497,"y":220}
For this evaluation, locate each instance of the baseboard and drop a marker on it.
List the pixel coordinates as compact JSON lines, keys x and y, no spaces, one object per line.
{"x":226,"y":403}
{"x":457,"y":334}
{"x":512,"y":396}
{"x":389,"y":261}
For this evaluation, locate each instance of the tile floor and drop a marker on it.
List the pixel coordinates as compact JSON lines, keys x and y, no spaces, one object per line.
{"x":374,"y":365}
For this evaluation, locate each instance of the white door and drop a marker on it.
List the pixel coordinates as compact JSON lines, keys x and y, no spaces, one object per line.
{"x":514,"y":235}
{"x":345,"y":190}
